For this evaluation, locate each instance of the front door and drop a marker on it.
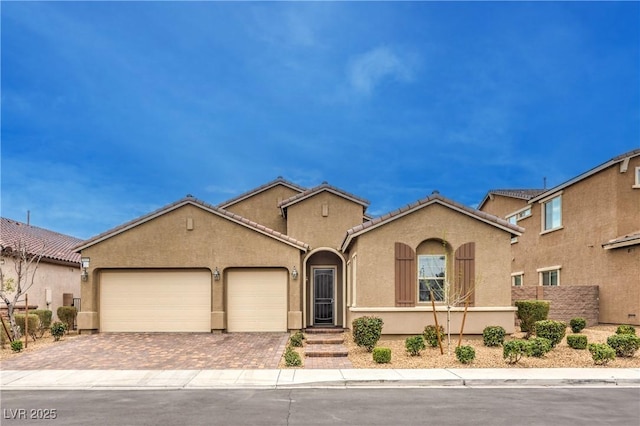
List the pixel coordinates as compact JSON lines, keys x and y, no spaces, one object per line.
{"x":323,"y":296}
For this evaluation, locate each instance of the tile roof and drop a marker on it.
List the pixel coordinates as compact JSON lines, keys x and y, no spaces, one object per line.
{"x":324,"y":186}
{"x":623,"y":241}
{"x":278,"y":181}
{"x":523,"y":194}
{"x":203,"y":205}
{"x":53,"y":245}
{"x":431,"y":199}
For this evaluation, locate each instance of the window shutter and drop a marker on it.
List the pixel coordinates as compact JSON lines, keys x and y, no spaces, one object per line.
{"x":406,"y":275}
{"x":465,"y":270}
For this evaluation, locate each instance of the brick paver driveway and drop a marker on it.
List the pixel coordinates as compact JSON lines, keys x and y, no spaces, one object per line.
{"x":157,"y":351}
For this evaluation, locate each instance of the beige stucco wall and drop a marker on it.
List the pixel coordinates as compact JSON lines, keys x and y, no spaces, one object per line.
{"x":594,"y":211}
{"x":501,"y":206}
{"x":306,"y":223}
{"x":58,"y":278}
{"x":376,"y":256}
{"x":263,"y":207}
{"x":165,"y":242}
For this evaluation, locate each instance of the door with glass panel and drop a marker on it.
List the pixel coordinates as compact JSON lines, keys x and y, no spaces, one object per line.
{"x":323,"y":296}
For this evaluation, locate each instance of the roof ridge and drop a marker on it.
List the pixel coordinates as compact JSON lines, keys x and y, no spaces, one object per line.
{"x":324,"y":185}
{"x":256,"y":190}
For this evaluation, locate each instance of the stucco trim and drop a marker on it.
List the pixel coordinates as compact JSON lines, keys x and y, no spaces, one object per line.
{"x":625,"y":241}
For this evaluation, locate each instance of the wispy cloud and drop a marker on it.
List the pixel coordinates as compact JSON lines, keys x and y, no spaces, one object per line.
{"x":370,"y":69}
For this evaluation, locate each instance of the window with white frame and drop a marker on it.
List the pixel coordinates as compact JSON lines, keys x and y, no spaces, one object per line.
{"x":516,"y":279}
{"x":431,"y":277}
{"x":550,"y":277}
{"x":637,"y":184}
{"x":524,"y":213}
{"x":552,"y":213}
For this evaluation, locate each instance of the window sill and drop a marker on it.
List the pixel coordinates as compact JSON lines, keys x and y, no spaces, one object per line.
{"x":636,"y":186}
{"x":551,"y":230}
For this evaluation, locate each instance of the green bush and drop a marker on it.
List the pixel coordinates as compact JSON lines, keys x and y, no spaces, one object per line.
{"x":465,"y":354}
{"x":45,"y":316}
{"x":16,"y":346}
{"x":625,"y":345}
{"x":577,"y":324}
{"x":431,"y":336}
{"x":67,"y":314}
{"x":538,"y":347}
{"x":513,"y":350}
{"x":530,"y":311}
{"x":414,"y":345}
{"x":34,"y":324}
{"x":296,"y":339}
{"x":552,"y":330}
{"x":57,"y":330}
{"x":601,"y":353}
{"x":292,"y":358}
{"x":626,"y":329}
{"x":493,"y":335}
{"x":367,"y":331}
{"x":577,"y":341}
{"x":382,"y":355}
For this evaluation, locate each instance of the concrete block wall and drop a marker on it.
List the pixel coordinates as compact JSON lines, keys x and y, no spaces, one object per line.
{"x":566,"y":302}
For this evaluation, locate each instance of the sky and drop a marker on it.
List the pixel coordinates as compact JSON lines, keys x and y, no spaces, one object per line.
{"x":111,"y":110}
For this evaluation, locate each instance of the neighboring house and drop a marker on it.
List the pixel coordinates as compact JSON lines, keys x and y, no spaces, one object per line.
{"x":58,"y":274}
{"x":282,"y":257}
{"x":583,"y":232}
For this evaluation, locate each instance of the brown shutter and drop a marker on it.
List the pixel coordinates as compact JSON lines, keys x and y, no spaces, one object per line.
{"x":406,"y":276}
{"x":465,"y":270}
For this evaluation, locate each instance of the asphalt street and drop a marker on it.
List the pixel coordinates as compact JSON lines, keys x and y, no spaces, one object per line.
{"x":400,"y":406}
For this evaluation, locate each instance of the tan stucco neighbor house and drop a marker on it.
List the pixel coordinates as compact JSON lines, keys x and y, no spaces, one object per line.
{"x":583,"y":232}
{"x":283,"y":257}
{"x":57,"y":278}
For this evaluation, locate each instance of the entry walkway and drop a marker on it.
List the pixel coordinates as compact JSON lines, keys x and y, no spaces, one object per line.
{"x":292,"y":378}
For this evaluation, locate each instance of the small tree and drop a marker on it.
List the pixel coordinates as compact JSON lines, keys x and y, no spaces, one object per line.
{"x":12,"y":290}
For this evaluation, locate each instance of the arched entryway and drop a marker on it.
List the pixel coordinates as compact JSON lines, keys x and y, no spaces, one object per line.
{"x":324,"y":289}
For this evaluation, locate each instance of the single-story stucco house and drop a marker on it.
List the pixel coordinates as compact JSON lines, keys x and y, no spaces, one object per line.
{"x":282,"y":257}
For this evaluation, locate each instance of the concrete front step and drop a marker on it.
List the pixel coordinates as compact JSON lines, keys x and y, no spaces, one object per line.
{"x":326,"y":351}
{"x":324,"y":330}
{"x":324,"y":339}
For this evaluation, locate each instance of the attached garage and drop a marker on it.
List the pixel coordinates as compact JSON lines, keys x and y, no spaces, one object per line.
{"x":256,"y":300}
{"x":155,"y":301}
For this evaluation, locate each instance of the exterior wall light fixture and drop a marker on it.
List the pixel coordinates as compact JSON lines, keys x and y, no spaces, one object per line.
{"x":294,"y":273}
{"x":216,"y":274}
{"x":84,"y":261}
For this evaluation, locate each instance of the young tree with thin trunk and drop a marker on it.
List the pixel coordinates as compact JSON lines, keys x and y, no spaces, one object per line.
{"x":13,"y":290}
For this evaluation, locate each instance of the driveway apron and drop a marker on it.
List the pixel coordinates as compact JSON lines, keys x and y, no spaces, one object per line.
{"x":157,"y":351}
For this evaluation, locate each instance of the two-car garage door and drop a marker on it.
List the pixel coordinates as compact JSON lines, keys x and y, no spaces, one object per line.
{"x":154,"y":301}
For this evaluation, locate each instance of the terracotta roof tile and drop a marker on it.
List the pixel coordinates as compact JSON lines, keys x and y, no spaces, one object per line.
{"x":524,"y":194}
{"x":194,"y":201}
{"x":324,"y":186}
{"x":52,"y":245}
{"x":623,"y":241}
{"x":278,"y":181}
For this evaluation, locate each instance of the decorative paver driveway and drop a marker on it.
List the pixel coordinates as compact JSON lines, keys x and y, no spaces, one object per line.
{"x":161,"y":351}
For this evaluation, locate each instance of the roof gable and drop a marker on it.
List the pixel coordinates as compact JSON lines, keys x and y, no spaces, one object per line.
{"x":53,"y":245}
{"x":200,"y":204}
{"x":323,"y":187}
{"x":278,"y":181}
{"x":434,"y":198}
{"x":522,"y":194}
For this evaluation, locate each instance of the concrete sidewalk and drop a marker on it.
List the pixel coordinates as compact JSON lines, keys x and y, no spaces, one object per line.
{"x":301,"y":378}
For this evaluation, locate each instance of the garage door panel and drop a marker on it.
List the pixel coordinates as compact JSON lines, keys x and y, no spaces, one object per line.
{"x":140,"y":301}
{"x":257,"y":300}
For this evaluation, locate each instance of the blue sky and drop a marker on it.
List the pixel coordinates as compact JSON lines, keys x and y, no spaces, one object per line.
{"x":112,"y":110}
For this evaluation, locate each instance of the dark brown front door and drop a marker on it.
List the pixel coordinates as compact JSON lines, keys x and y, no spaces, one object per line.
{"x":323,"y":296}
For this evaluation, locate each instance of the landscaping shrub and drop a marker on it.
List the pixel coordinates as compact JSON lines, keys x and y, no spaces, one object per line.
{"x":530,"y":311}
{"x":601,"y":353}
{"x":292,"y":358}
{"x":67,"y":314}
{"x":513,"y":350}
{"x":626,"y":329}
{"x":493,"y":335}
{"x":577,"y":341}
{"x":414,"y":345}
{"x":382,"y":355}
{"x":367,"y":331}
{"x":431,"y":336}
{"x":465,"y":354}
{"x":577,"y":324}
{"x":625,"y":345}
{"x":538,"y":346}
{"x":45,"y":316}
{"x":34,"y":324}
{"x":16,"y":346}
{"x":552,"y":330}
{"x":296,"y":339}
{"x":57,"y":330}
